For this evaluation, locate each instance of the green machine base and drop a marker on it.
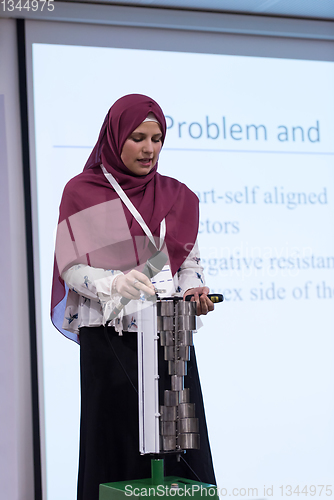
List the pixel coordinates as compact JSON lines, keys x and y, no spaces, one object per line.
{"x":157,"y":486}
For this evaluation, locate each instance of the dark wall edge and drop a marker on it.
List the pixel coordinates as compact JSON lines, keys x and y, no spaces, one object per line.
{"x":20,"y":26}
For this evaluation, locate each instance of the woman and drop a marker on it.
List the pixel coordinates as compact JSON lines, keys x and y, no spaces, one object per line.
{"x":102,"y":246}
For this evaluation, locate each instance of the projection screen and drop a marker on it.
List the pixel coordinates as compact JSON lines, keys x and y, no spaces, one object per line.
{"x":250,"y":130}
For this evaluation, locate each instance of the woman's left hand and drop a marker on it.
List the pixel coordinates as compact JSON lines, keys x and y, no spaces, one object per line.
{"x":204,"y":304}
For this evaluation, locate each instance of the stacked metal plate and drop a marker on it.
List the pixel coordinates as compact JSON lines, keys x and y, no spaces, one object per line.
{"x":176,"y":321}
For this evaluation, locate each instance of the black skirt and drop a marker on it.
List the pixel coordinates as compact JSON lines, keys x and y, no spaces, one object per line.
{"x":109,"y":438}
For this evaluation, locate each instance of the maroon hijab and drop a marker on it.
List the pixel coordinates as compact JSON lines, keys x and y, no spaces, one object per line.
{"x":95,"y":228}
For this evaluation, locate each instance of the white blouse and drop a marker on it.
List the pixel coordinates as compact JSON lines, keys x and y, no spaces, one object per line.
{"x":91,"y":299}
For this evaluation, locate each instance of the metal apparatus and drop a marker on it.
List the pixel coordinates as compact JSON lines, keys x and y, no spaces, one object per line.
{"x":169,"y":425}
{"x":179,"y":427}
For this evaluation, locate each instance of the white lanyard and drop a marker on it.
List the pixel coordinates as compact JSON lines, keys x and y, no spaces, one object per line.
{"x":134,"y":211}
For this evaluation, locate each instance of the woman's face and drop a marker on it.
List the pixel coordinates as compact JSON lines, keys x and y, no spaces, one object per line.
{"x":141,"y":150}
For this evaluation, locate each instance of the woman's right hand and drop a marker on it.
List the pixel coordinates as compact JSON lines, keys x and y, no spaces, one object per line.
{"x":131,"y":284}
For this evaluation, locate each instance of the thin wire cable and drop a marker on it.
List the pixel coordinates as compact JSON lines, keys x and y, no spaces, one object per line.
{"x":192,"y":470}
{"x":116,"y":356}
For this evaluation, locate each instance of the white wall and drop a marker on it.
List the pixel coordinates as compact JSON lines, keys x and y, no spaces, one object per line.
{"x":16,"y":455}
